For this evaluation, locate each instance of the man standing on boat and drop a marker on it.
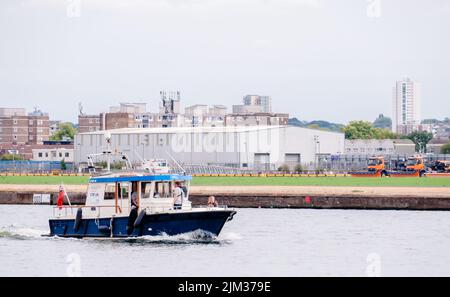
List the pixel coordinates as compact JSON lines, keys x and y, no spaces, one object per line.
{"x":178,"y":194}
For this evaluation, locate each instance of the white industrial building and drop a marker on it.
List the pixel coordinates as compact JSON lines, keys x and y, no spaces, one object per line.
{"x":379,"y":146}
{"x":49,"y":153}
{"x":226,"y":146}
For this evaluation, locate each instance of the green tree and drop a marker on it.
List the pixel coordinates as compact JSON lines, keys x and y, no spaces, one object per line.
{"x":430,"y":121}
{"x":365,"y":130}
{"x":359,"y":130}
{"x":421,"y":139}
{"x":445,"y":149}
{"x":385,"y":134}
{"x":317,"y":124}
{"x":65,"y":130}
{"x":63,"y":164}
{"x":10,"y":157}
{"x":383,"y":122}
{"x":317,"y":127}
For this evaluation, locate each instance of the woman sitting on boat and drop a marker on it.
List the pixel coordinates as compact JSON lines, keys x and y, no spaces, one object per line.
{"x":212,"y":201}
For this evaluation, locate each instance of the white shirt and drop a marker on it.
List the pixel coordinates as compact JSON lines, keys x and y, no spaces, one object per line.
{"x":179,"y":195}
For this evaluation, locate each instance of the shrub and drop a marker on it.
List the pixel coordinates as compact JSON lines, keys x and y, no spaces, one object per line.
{"x":445,"y":149}
{"x":63,"y":165}
{"x":319,"y":170}
{"x":10,"y":157}
{"x":284,"y":168}
{"x":298,"y":168}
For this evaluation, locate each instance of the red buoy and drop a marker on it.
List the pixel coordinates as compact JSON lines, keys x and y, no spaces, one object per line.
{"x":307,"y":200}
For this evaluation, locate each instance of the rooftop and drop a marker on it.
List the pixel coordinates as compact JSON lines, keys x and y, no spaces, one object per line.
{"x":225,"y":129}
{"x":135,"y":177}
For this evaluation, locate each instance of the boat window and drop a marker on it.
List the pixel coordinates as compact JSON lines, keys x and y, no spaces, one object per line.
{"x":124,"y":190}
{"x":162,"y":190}
{"x":110,"y":190}
{"x":146,"y":190}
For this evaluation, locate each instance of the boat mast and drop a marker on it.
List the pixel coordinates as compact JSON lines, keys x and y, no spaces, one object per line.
{"x":108,"y":151}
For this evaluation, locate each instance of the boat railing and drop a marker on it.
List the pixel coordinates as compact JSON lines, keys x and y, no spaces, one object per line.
{"x":156,"y":209}
{"x":65,"y":210}
{"x":211,"y":207}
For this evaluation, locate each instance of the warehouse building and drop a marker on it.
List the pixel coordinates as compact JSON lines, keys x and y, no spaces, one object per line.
{"x":379,"y":147}
{"x":250,"y":146}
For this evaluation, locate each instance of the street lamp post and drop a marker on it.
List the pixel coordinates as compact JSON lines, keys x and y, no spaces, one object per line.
{"x":317,"y":150}
{"x":21,"y":156}
{"x":78,"y":156}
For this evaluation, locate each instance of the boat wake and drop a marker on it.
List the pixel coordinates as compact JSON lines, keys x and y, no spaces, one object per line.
{"x":18,"y":232}
{"x":196,"y":237}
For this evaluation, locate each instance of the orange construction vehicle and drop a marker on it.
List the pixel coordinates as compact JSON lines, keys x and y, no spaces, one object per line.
{"x":375,"y":168}
{"x":414,"y":167}
{"x":440,"y":168}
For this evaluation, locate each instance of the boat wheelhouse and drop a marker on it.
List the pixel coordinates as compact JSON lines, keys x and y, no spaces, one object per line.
{"x":137,"y":204}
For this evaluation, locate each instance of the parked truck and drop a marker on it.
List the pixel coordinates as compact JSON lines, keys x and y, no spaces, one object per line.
{"x":440,"y":166}
{"x":375,"y":168}
{"x":414,"y":167}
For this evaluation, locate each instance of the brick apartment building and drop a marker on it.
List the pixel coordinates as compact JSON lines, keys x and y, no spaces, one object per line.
{"x":117,"y":120}
{"x":88,"y":123}
{"x":17,"y":127}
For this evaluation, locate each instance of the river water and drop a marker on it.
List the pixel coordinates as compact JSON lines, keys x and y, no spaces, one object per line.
{"x":258,"y":242}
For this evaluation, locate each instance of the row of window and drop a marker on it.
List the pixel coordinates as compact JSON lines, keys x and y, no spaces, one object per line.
{"x":368,"y":150}
{"x":30,"y":122}
{"x":54,"y":154}
{"x":15,"y":130}
{"x":91,"y":121}
{"x":39,"y":138}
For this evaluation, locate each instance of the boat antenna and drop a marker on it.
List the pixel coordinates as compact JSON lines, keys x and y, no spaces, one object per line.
{"x":175,"y":161}
{"x":139,"y":156}
{"x":107,"y":136}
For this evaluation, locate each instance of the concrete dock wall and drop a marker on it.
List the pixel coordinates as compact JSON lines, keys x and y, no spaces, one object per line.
{"x":341,"y":202}
{"x":275,"y":197}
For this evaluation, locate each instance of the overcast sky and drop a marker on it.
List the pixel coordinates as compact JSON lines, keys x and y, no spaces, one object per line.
{"x":318,"y":59}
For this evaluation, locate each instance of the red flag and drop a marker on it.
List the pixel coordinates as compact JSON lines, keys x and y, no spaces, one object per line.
{"x":59,"y":202}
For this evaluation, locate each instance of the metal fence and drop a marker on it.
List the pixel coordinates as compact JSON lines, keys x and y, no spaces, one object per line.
{"x":32,"y":166}
{"x":345,"y":163}
{"x":322,"y":164}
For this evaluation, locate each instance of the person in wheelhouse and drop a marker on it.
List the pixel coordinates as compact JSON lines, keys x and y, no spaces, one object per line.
{"x":178,"y":196}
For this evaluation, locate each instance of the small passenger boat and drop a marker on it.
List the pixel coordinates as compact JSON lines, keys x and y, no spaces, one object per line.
{"x":134,"y":204}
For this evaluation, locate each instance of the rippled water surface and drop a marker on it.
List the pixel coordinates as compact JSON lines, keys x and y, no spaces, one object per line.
{"x":258,"y":242}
